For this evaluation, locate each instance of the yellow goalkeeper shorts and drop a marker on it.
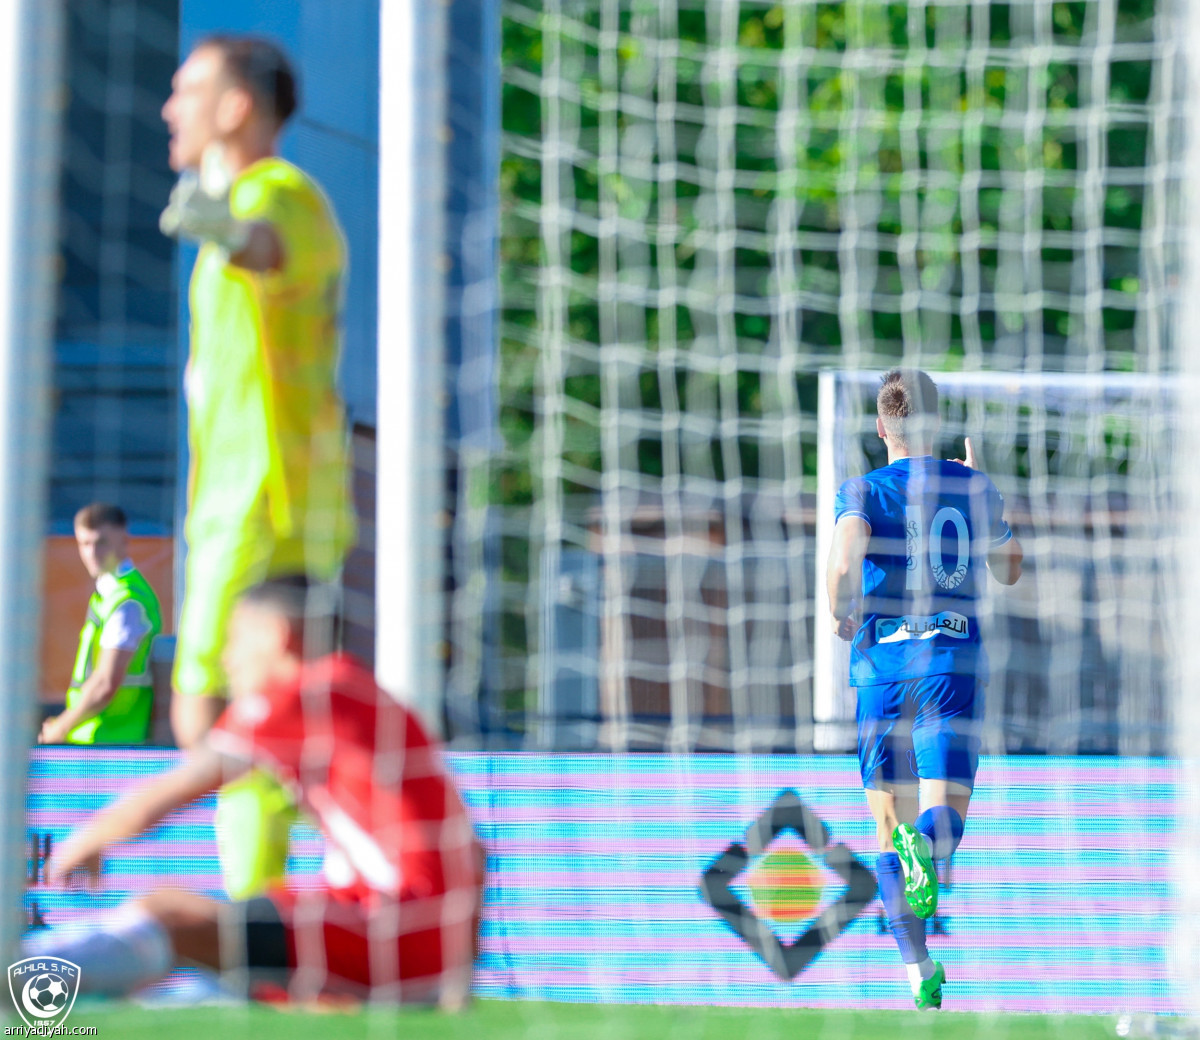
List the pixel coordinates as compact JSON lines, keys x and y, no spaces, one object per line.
{"x":253,"y":819}
{"x":222,"y":562}
{"x":254,"y":814}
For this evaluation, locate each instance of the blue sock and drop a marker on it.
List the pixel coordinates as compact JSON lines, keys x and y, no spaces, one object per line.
{"x":907,"y":928}
{"x":944,"y":829}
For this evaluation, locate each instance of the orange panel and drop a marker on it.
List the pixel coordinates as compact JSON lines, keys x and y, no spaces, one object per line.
{"x":67,"y":588}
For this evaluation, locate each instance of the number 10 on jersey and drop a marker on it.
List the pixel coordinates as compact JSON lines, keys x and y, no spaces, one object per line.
{"x":925,"y":550}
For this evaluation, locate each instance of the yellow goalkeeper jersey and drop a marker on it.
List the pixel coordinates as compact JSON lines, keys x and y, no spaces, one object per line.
{"x":266,"y":426}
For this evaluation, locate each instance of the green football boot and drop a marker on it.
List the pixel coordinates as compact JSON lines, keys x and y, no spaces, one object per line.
{"x":929,"y":996}
{"x":920,"y":875}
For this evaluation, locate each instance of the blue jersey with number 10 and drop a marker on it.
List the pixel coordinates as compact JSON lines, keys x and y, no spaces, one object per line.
{"x":932,"y":525}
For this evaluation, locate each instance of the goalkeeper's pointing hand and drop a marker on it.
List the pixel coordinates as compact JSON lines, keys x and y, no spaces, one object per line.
{"x":198,"y":208}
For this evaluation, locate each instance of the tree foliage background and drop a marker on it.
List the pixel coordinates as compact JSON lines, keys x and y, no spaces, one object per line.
{"x":928,"y":131}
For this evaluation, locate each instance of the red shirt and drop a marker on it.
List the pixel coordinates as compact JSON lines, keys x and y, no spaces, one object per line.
{"x":366,"y":771}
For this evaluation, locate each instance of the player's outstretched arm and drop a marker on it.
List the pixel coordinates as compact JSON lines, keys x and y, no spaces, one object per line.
{"x":199,"y":209}
{"x":263,"y":250}
{"x":843,"y":579}
{"x":1005,"y":562}
{"x":203,"y":770}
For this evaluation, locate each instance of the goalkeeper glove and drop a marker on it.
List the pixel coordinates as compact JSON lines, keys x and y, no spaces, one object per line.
{"x":199,"y":207}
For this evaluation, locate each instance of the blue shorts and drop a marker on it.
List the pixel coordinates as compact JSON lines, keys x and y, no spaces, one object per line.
{"x":919,"y":729}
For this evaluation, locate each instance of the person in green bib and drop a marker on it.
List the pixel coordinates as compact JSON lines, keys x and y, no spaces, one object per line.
{"x":111,"y":697}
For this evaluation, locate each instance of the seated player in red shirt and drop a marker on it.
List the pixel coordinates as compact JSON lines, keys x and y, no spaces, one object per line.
{"x":397,"y":914}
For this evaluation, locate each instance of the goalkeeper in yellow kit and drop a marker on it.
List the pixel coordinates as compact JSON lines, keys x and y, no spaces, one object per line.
{"x":268,"y":489}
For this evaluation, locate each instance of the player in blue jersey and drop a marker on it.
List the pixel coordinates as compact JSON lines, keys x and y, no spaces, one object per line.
{"x":906,"y":570}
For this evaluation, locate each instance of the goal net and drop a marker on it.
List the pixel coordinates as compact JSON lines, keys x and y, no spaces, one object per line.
{"x":706,"y":205}
{"x":720,"y":223}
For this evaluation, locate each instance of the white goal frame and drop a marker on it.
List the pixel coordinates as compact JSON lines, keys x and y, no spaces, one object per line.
{"x":1186,"y":657}
{"x":31,"y":46}
{"x":410,"y":516}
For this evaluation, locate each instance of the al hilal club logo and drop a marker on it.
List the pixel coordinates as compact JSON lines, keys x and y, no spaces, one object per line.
{"x":43,"y":988}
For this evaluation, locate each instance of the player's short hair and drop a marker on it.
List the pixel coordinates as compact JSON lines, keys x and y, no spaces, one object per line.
{"x":310,"y":607}
{"x":101,"y":514}
{"x":908,"y":405}
{"x":262,"y":68}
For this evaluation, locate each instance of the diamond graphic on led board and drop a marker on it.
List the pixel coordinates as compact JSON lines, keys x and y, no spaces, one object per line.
{"x":785,"y":886}
{"x":722,"y":886}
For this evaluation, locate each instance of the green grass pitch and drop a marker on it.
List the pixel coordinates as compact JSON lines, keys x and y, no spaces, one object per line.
{"x":509,"y":1020}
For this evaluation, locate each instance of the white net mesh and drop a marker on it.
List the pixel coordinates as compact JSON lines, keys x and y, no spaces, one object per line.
{"x":707,"y":204}
{"x":1184,"y":653}
{"x":704,"y":207}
